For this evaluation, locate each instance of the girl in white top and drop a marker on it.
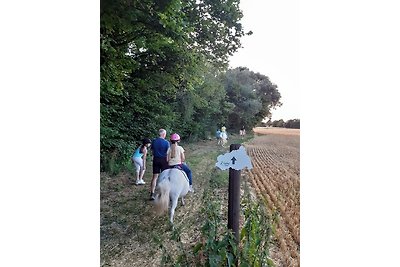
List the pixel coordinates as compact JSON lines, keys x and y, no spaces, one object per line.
{"x":176,"y":157}
{"x":224,"y":136}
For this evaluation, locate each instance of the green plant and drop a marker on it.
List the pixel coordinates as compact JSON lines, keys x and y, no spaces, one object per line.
{"x":217,"y":248}
{"x":255,"y":235}
{"x":220,"y":179}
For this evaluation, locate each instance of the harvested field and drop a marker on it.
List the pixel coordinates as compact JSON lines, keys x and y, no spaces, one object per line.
{"x":275,"y":130}
{"x":275,"y":154}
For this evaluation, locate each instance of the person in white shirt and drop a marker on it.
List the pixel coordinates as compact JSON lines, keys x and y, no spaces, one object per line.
{"x":224,"y":136}
{"x":176,"y":158}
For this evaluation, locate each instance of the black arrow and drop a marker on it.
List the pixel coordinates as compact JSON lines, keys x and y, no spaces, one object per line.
{"x":233,"y":160}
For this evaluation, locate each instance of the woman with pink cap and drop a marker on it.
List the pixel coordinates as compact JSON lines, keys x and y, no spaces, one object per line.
{"x":176,"y":157}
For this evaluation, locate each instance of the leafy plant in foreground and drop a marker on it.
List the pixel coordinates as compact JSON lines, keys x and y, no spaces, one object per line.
{"x":255,"y":235}
{"x":218,"y":247}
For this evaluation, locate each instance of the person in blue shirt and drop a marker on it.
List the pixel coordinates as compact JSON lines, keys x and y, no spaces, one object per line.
{"x":159,"y":146}
{"x":139,"y":160}
{"x":218,"y":136}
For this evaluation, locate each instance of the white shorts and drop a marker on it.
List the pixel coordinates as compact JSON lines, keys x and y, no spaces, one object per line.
{"x":138,"y":164}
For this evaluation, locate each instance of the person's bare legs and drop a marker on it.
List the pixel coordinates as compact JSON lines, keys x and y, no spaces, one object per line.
{"x":137,"y":176}
{"x":153,"y":183}
{"x":141,"y":176}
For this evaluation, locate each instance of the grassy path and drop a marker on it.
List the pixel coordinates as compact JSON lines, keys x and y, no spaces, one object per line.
{"x":131,"y":235}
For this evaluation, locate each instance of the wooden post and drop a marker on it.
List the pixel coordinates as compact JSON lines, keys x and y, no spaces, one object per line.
{"x":234,"y":197}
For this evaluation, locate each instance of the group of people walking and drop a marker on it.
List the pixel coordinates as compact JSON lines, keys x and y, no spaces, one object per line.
{"x":165,"y":155}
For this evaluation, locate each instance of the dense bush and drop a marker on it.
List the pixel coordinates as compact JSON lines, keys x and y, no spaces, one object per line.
{"x":163,"y":64}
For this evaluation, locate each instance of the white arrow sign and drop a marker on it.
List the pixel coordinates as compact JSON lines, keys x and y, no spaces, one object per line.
{"x":236,"y":159}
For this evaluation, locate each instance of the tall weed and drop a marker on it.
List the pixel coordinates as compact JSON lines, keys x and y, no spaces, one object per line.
{"x":218,"y":246}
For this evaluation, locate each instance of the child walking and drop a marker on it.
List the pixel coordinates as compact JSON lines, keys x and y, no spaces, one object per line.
{"x":139,"y":160}
{"x":176,"y":157}
{"x":224,"y":136}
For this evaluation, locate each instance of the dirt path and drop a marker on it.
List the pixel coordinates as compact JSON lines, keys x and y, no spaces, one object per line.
{"x":130,"y":233}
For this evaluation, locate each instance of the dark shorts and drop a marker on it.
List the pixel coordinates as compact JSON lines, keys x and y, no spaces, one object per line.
{"x":159,"y":164}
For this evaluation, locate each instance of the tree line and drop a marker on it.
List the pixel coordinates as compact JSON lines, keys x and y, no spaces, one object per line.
{"x":293,"y":123}
{"x":164,"y":64}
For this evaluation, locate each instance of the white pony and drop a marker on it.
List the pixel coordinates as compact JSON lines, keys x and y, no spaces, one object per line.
{"x":172,"y":184}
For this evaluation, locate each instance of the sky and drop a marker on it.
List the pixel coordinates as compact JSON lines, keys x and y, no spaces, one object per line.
{"x":272,"y":49}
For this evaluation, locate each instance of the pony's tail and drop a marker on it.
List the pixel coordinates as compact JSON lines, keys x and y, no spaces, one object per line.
{"x":162,"y":201}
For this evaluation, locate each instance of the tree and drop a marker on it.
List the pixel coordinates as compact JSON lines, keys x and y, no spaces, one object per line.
{"x":294,"y":124}
{"x":156,"y":55}
{"x":253,"y":95}
{"x":278,"y":123}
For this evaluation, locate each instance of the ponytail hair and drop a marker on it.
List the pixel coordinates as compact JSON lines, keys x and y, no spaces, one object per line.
{"x":173,"y":148}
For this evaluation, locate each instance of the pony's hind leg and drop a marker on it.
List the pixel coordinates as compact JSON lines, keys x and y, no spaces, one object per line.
{"x":183,"y":201}
{"x":173,"y":206}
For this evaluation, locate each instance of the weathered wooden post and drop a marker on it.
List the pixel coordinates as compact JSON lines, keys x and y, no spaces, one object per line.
{"x":234,"y":196}
{"x":235,"y":160}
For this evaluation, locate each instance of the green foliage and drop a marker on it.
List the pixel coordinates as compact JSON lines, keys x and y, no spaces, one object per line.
{"x":156,"y":64}
{"x":279,"y":123}
{"x":294,"y":124}
{"x":253,"y":96}
{"x":162,"y":65}
{"x":255,"y":235}
{"x":219,"y":248}
{"x":220,"y":179}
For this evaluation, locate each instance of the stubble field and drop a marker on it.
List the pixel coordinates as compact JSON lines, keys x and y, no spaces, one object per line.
{"x":275,"y":154}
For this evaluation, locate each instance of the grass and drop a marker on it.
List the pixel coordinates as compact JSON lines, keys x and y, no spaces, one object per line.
{"x":220,"y":179}
{"x":131,"y":235}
